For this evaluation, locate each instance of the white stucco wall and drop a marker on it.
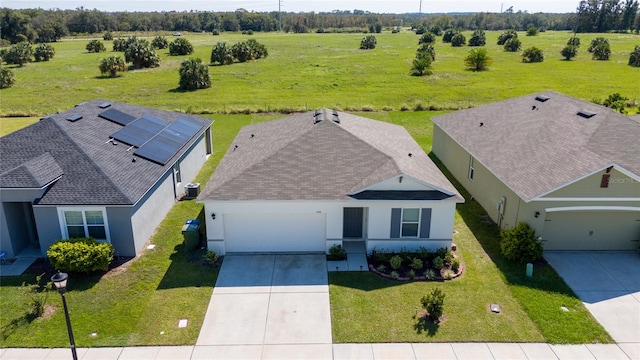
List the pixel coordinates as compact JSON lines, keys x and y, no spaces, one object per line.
{"x":378,"y":220}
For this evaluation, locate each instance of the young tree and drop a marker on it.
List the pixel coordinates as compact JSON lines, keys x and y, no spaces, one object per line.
{"x":617,"y":102}
{"x":221,"y":54}
{"x":433,"y":303}
{"x":569,"y":52}
{"x":180,"y":46}
{"x":448,"y":35}
{"x":160,"y":42}
{"x":506,"y":36}
{"x":601,"y":52}
{"x":427,"y":38}
{"x":368,"y":42}
{"x":107,"y":36}
{"x":6,"y":78}
{"x":141,"y":54}
{"x":19,"y":54}
{"x":477,"y":60}
{"x":426,"y":50}
{"x":112,"y":65}
{"x":532,"y":31}
{"x":532,"y":54}
{"x":95,"y":46}
{"x":574,"y":41}
{"x":478,"y":38}
{"x":194,"y":75}
{"x":634,"y":57}
{"x":512,"y":45}
{"x":421,"y":66}
{"x":241,"y":51}
{"x":458,"y":40}
{"x":44,"y":52}
{"x":256,"y":49}
{"x":597,"y":42}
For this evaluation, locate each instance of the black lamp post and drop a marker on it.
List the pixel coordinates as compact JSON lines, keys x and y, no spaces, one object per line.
{"x":60,"y":281}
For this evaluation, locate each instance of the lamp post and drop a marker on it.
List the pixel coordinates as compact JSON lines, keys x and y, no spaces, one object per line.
{"x":60,"y":281}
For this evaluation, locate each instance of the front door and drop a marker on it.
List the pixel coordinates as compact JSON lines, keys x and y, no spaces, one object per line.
{"x":352,"y":223}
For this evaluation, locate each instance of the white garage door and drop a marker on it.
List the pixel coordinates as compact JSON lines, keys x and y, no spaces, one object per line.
{"x":591,"y":230}
{"x":274,"y":232}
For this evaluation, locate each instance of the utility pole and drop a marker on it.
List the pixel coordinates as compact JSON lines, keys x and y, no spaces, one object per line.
{"x":420,"y":10}
{"x":280,"y":15}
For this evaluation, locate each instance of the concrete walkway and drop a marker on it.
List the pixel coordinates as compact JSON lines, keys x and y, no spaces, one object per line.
{"x":444,"y":351}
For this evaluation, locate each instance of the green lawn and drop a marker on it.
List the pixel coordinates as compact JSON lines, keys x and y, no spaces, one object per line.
{"x":309,"y":71}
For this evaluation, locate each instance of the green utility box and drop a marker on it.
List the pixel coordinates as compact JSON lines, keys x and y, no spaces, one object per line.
{"x":191,"y":234}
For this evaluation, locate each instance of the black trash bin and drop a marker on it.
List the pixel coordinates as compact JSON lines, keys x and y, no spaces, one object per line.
{"x":191,"y":234}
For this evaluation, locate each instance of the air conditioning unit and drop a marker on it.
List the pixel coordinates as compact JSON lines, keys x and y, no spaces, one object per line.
{"x":191,"y":190}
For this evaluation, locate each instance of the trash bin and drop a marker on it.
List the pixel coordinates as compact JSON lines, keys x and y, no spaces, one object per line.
{"x":191,"y":234}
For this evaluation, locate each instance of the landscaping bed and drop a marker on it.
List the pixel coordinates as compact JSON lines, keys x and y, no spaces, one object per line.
{"x":421,"y":264}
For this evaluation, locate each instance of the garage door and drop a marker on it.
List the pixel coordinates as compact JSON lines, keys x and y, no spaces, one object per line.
{"x":591,"y":230}
{"x":274,"y":232}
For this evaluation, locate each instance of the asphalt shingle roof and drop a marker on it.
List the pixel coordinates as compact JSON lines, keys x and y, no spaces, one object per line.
{"x":294,"y":159}
{"x":535,"y":147}
{"x":92,"y":171}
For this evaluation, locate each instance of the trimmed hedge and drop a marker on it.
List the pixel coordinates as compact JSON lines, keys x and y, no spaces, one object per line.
{"x":80,"y":255}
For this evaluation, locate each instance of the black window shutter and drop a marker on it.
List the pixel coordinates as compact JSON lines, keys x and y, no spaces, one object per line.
{"x":425,"y":224}
{"x":395,"y":222}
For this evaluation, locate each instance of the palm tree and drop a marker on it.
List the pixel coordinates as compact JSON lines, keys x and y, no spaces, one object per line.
{"x":111,"y":65}
{"x":478,"y":59}
{"x":421,"y":66}
{"x":194,"y":75}
{"x":634,"y":57}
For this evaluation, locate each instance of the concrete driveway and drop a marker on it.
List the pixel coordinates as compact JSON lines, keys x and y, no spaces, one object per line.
{"x":608,"y":283}
{"x":268,"y":300}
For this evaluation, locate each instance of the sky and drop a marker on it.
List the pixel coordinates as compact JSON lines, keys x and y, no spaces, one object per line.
{"x":375,"y":6}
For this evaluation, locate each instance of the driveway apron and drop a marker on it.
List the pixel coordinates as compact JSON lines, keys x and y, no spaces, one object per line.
{"x":608,"y":284}
{"x":269,"y":299}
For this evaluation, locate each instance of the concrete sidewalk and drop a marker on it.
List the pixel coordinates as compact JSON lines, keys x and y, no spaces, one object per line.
{"x":416,"y":351}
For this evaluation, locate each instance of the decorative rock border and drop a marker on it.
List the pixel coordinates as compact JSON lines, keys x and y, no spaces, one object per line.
{"x":438,"y":277}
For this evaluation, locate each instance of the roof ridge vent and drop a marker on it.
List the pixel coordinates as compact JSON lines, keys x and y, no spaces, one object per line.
{"x":334,"y":117}
{"x":319,"y":115}
{"x":104,"y":105}
{"x":74,"y":118}
{"x":586,"y":114}
{"x":542,"y":98}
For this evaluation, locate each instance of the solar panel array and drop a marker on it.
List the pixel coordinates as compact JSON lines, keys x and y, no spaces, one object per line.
{"x":140,"y":130}
{"x":117,"y":116}
{"x":169,"y":141}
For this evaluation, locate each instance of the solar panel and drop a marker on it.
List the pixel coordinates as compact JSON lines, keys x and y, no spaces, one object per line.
{"x":140,"y":130}
{"x":74,"y":118}
{"x":117,"y":116}
{"x":169,"y":141}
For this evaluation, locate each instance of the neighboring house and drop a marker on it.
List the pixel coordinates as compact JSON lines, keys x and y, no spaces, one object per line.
{"x":312,"y":180}
{"x":567,"y":167}
{"x":106,"y":170}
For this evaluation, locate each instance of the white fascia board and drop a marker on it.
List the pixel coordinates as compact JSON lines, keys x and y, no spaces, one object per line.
{"x":593,"y":208}
{"x":609,"y":199}
{"x":426,"y":185}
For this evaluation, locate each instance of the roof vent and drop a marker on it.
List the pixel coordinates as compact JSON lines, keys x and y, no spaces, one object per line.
{"x":80,"y":104}
{"x":104,"y":105}
{"x":542,"y":98}
{"x":317,"y":116}
{"x":586,"y":114}
{"x":334,"y":117}
{"x":74,"y":118}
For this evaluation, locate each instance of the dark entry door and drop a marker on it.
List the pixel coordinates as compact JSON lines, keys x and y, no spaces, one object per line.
{"x":352,"y":223}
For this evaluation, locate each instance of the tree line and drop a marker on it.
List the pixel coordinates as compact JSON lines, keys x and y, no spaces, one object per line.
{"x":39,"y":25}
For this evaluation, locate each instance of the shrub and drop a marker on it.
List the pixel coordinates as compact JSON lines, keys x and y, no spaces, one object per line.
{"x":6,"y":78}
{"x":19,"y":54}
{"x":382,"y":268}
{"x":458,"y":40}
{"x":519,"y":244}
{"x":448,"y":35}
{"x":478,"y":38}
{"x":411,"y":274}
{"x":597,"y":42}
{"x":120,"y":44}
{"x":180,"y":46}
{"x":438,"y":263}
{"x":368,"y":42}
{"x":394,"y":275}
{"x":336,"y":252}
{"x":477,"y":59}
{"x":532,"y":55}
{"x":95,"y":46}
{"x":37,"y":294}
{"x":532,"y":31}
{"x":107,"y":36}
{"x":427,"y":38}
{"x":194,"y":75}
{"x":506,"y":36}
{"x":381,"y":256}
{"x":221,"y":54}
{"x":141,"y":54}
{"x":574,"y":41}
{"x":421,"y":65}
{"x":416,"y":264}
{"x":433,"y":303}
{"x":634,"y":57}
{"x":429,"y":274}
{"x":112,"y":65}
{"x":448,"y":274}
{"x":395,"y":262}
{"x":215,"y":32}
{"x":569,"y":52}
{"x":80,"y":255}
{"x":211,"y":257}
{"x":601,"y":52}
{"x":256,"y":50}
{"x":455,"y":265}
{"x":512,"y":45}
{"x":44,"y":52}
{"x":160,"y":42}
{"x":241,"y":51}
{"x":617,"y":102}
{"x":426,"y":50}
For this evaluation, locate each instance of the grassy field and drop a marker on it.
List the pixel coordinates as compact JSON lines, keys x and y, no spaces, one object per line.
{"x":308,"y":71}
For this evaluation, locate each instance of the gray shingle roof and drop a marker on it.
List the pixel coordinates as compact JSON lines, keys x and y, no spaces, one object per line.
{"x":94,"y":172}
{"x":294,"y":159}
{"x":535,"y":147}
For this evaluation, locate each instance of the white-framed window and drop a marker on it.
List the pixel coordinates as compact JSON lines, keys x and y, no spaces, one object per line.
{"x":76,"y":222}
{"x":472,"y":170}
{"x":176,"y":173}
{"x":410,"y":225}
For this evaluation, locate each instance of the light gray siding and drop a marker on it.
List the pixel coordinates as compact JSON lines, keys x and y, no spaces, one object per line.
{"x":150,"y":211}
{"x":120,"y":230}
{"x":48,"y":226}
{"x":191,"y":163}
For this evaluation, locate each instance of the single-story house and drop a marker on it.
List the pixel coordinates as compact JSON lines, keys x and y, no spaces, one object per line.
{"x":102,"y":169}
{"x":569,"y":168}
{"x":313,"y":180}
